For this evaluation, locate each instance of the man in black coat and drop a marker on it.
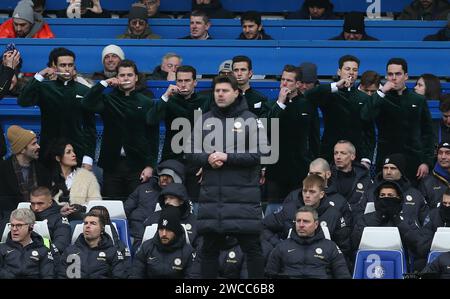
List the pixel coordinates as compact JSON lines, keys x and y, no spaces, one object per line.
{"x":307,"y":254}
{"x":230,"y":198}
{"x":45,"y":209}
{"x":20,"y":172}
{"x":354,"y":28}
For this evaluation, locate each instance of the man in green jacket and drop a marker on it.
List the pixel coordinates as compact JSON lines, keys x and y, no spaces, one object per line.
{"x":129,"y":145}
{"x":59,"y":99}
{"x":341,"y":103}
{"x":403,"y":120}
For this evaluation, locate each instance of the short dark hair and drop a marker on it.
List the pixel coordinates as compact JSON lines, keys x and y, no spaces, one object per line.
{"x":398,"y":61}
{"x":390,"y":185}
{"x":308,"y":209}
{"x":40,"y":191}
{"x":242,"y":58}
{"x":346,"y":58}
{"x":226,"y":79}
{"x":101,"y":211}
{"x":200,"y":13}
{"x":186,"y":69}
{"x":101,"y":219}
{"x":128,"y":63}
{"x":252,"y":16}
{"x":293,"y":69}
{"x":432,"y":86}
{"x":370,"y":78}
{"x":58,"y":52}
{"x":445,"y":103}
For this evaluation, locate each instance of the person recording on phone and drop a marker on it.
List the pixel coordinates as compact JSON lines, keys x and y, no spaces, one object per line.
{"x":129,"y":149}
{"x":84,"y":9}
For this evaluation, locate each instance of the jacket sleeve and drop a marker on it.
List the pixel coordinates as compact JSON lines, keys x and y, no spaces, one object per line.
{"x":357,"y":233}
{"x":195,"y":154}
{"x":314,"y":133}
{"x":157,"y":112}
{"x":274,"y":263}
{"x":89,"y":133}
{"x":338,"y":265}
{"x":371,"y":109}
{"x":341,"y":236}
{"x":138,"y":270}
{"x":319,"y":95}
{"x":94,"y":100}
{"x":6,"y":76}
{"x":153,"y":136}
{"x":47,"y":266}
{"x":61,"y":234}
{"x":368,"y":133}
{"x":30,"y":94}
{"x":118,"y":266}
{"x":193,"y":268}
{"x":132,"y":202}
{"x":4,"y":273}
{"x":273,"y":228}
{"x":428,"y":138}
{"x":61,"y":267}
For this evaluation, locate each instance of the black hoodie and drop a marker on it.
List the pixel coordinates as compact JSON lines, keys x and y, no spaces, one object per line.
{"x":213,"y":10}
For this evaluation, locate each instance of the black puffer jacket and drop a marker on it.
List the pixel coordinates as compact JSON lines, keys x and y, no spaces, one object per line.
{"x":58,"y":226}
{"x":230,"y":199}
{"x":433,"y":186}
{"x":277,"y":225}
{"x":32,"y":261}
{"x":440,"y":266}
{"x":313,"y":257}
{"x":155,"y":260}
{"x":103,"y":261}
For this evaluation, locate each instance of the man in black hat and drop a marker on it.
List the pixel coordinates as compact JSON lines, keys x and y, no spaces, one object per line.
{"x":167,"y":254}
{"x":138,"y":27}
{"x":433,"y":185}
{"x":314,"y":10}
{"x":414,"y":205}
{"x":354,"y":28}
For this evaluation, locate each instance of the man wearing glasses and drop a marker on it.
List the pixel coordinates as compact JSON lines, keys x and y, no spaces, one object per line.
{"x":138,"y":25}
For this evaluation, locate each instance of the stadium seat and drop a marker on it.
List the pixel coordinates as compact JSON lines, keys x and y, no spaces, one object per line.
{"x":24,"y":205}
{"x":370,"y":207}
{"x":150,"y":231}
{"x":440,"y":244}
{"x":40,"y":227}
{"x":325,"y":230}
{"x":115,"y":207}
{"x":380,"y":254}
{"x":79,"y":230}
{"x":121,"y":226}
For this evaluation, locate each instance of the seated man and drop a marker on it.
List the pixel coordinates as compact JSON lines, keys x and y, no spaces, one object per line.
{"x":167,"y":254}
{"x":442,"y":35}
{"x":314,"y":10}
{"x":252,"y":28}
{"x":45,"y":209}
{"x":425,"y":10}
{"x":169,"y":65}
{"x":93,"y":252}
{"x":25,"y":23}
{"x":307,"y":254}
{"x":198,"y":26}
{"x":138,"y":27}
{"x":24,"y":254}
{"x":354,"y":28}
{"x":153,"y":9}
{"x":370,"y":82}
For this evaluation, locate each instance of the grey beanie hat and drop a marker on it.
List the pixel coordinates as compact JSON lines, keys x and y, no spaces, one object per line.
{"x":24,"y":10}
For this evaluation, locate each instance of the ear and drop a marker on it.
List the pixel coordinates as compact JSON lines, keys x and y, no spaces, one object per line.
{"x":328,"y":174}
{"x":322,"y":194}
{"x":338,"y":72}
{"x":30,"y":228}
{"x":316,"y":224}
{"x":406,"y":76}
{"x":58,"y":159}
{"x":260,"y":28}
{"x":208,"y":25}
{"x":298,"y":84}
{"x":250,"y":74}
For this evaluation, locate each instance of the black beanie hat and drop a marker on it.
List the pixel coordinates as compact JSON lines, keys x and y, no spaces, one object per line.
{"x":318,"y":3}
{"x":398,"y":160}
{"x":170,"y":220}
{"x":354,"y":23}
{"x":137,"y":11}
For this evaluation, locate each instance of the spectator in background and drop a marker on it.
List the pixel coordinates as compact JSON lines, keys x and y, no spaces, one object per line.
{"x":252,"y":28}
{"x":10,"y":62}
{"x":166,"y":71}
{"x":84,"y":9}
{"x":444,"y":126}
{"x":138,"y":27}
{"x":354,"y":28}
{"x":441,"y":35}
{"x":39,"y":8}
{"x":213,"y":8}
{"x":426,"y":10}
{"x":314,"y":10}
{"x":199,"y":25}
{"x":370,"y":82}
{"x":225,"y":68}
{"x":429,"y":86}
{"x":153,"y":9}
{"x":25,"y":23}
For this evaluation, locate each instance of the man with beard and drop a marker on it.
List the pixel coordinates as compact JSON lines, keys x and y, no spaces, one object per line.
{"x":252,"y":28}
{"x":129,"y":145}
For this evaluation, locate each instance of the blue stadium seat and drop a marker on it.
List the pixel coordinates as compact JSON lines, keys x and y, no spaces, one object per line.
{"x":380,"y":254}
{"x":123,"y":231}
{"x":440,"y":243}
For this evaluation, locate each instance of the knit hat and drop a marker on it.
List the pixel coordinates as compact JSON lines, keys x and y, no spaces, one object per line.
{"x":138,"y":11}
{"x":398,"y":160}
{"x":24,"y":10}
{"x":318,"y":3}
{"x":225,"y":66}
{"x":354,"y":23}
{"x":309,"y":72}
{"x":19,"y":138}
{"x":167,"y":171}
{"x":170,"y":219}
{"x":113,"y":49}
{"x":444,"y":144}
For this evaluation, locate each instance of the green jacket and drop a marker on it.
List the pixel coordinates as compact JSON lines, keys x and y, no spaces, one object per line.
{"x":299,"y":139}
{"x":147,"y":34}
{"x":177,"y":106}
{"x":404,"y":126}
{"x":125,"y":125}
{"x":62,"y":115}
{"x":257,"y":103}
{"x":341,"y":113}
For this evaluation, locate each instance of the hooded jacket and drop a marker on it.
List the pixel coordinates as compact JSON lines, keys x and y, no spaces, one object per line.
{"x":33,"y":261}
{"x":103,"y":261}
{"x":229,"y":199}
{"x":437,"y":11}
{"x":433,"y":185}
{"x":40,"y":29}
{"x":307,"y":257}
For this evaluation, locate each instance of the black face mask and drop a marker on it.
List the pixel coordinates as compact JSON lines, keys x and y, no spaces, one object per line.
{"x":388,"y":206}
{"x":444,"y":212}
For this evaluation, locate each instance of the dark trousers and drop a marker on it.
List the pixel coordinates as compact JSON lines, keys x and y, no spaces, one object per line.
{"x":120,"y":182}
{"x":250,"y":245}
